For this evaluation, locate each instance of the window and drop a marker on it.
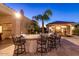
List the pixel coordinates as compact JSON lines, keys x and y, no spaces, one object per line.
{"x":7,"y":26}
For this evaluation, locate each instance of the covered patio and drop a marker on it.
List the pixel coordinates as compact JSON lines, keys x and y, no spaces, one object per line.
{"x":63,"y":27}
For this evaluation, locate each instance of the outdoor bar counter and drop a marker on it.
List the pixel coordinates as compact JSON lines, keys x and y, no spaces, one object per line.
{"x":31,"y":42}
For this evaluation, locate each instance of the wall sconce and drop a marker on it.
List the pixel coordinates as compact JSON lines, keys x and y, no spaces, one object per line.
{"x":0,"y":29}
{"x":0,"y":32}
{"x":50,"y":28}
{"x":17,"y":15}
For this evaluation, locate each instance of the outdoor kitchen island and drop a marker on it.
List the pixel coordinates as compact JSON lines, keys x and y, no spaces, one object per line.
{"x":31,"y":42}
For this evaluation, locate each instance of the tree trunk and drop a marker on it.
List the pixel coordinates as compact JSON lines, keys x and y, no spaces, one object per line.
{"x":42,"y":26}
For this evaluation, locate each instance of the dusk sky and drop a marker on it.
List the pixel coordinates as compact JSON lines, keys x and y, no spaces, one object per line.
{"x":61,"y":12}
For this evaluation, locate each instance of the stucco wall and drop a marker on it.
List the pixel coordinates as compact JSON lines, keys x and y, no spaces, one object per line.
{"x":17,"y":24}
{"x":25,"y":22}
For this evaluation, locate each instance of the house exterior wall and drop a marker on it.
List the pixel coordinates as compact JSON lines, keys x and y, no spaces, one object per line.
{"x":8,"y":26}
{"x":11,"y":25}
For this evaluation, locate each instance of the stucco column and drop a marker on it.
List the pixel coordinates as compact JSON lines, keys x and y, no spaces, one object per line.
{"x":18,"y":29}
{"x":71,"y":30}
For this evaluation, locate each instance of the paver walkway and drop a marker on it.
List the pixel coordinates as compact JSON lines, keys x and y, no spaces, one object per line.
{"x":6,"y":48}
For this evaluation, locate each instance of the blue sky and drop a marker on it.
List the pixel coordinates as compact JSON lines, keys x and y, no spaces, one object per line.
{"x":61,"y":11}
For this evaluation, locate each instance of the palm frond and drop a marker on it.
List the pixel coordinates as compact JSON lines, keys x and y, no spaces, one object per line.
{"x":48,"y":12}
{"x":35,"y":18}
{"x":39,"y":16}
{"x":46,"y":17}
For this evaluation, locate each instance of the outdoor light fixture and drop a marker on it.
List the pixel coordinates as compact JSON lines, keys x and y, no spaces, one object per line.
{"x":63,"y":26}
{"x":18,"y":15}
{"x":0,"y":29}
{"x":50,"y":28}
{"x":72,"y":28}
{"x":0,"y":32}
{"x":58,"y":27}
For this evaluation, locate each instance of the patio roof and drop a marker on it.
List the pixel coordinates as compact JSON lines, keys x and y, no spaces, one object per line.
{"x":61,"y":22}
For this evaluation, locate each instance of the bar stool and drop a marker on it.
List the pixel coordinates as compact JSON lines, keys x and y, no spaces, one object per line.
{"x":19,"y":45}
{"x":58,"y":40}
{"x":55,"y":41}
{"x":42,"y":45}
{"x":51,"y":42}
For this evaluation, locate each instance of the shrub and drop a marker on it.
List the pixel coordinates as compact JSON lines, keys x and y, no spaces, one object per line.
{"x":76,"y":31}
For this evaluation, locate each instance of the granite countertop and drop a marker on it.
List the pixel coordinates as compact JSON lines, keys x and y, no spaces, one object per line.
{"x":31,"y":36}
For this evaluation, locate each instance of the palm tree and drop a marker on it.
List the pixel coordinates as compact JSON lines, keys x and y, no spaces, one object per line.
{"x":45,"y":16}
{"x":35,"y":26}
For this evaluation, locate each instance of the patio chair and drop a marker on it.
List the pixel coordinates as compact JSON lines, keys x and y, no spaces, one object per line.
{"x":19,"y":43}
